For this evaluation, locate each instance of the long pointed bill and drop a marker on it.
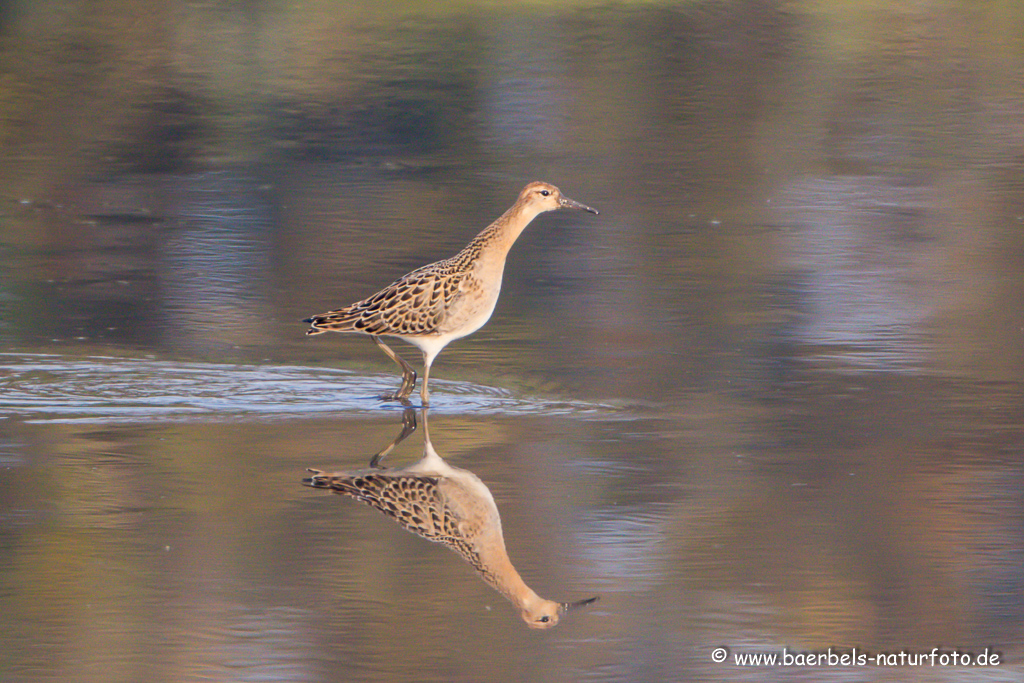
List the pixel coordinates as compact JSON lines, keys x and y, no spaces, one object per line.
{"x":570,"y":606}
{"x":567,"y":203}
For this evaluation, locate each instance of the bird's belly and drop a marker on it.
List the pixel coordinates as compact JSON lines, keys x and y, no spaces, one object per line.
{"x":470,"y":312}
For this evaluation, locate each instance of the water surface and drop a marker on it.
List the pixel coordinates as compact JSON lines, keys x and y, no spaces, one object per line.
{"x":771,"y":397}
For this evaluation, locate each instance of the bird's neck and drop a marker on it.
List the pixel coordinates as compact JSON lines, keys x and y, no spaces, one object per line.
{"x":498,"y":237}
{"x":503,"y":577}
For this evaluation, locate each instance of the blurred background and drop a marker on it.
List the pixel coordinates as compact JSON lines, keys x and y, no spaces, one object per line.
{"x":773,"y":396}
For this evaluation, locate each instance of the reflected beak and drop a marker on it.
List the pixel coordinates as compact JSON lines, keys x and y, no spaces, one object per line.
{"x":567,"y":203}
{"x":570,"y":606}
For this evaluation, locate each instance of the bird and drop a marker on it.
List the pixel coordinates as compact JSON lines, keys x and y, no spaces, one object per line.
{"x":438,"y":303}
{"x":448,"y":505}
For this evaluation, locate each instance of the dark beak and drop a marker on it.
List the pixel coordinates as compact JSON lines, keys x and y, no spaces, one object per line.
{"x":570,"y":606}
{"x":567,"y":203}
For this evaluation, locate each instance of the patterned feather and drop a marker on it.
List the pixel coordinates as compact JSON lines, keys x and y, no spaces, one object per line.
{"x":446,"y":300}
{"x":414,"y":305}
{"x":417,"y":502}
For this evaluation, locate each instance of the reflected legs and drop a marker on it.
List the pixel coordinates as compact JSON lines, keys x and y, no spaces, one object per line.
{"x":408,"y":427}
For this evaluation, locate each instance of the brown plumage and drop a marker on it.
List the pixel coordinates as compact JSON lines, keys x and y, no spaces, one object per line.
{"x":416,"y":304}
{"x":447,"y":505}
{"x":446,"y":300}
{"x":423,"y":504}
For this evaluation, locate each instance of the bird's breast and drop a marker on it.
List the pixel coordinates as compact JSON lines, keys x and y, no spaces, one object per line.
{"x":473,"y":307}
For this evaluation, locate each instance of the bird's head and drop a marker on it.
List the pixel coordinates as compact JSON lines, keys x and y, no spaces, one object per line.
{"x":545,"y":614}
{"x":542,"y":197}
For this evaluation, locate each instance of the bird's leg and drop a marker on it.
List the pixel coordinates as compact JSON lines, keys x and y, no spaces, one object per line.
{"x":408,"y":374}
{"x":424,"y":392}
{"x":408,"y":427}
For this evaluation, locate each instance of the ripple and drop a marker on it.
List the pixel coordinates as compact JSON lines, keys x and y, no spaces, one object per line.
{"x":45,"y":387}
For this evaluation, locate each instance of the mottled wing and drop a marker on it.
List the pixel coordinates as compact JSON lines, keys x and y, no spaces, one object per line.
{"x":416,"y":304}
{"x":416,"y":502}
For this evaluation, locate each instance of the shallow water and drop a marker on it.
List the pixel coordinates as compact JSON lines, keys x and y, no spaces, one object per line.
{"x":772,"y":397}
{"x":107,"y":390}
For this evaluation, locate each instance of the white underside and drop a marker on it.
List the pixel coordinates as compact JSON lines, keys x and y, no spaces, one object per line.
{"x":481,"y":500}
{"x":432,"y":344}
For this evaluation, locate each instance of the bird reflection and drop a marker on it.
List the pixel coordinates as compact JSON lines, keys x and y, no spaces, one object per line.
{"x":448,"y":505}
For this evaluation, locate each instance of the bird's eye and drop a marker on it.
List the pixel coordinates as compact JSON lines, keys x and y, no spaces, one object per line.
{"x":544,"y":193}
{"x":544,"y":620}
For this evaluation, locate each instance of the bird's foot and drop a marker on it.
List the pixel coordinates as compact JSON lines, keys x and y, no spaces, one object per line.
{"x":396,"y":396}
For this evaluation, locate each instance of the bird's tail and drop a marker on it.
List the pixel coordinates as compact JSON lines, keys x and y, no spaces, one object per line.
{"x":339,"y":482}
{"x":364,"y":487}
{"x":333,"y":321}
{"x":320,"y":479}
{"x":314,"y":329}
